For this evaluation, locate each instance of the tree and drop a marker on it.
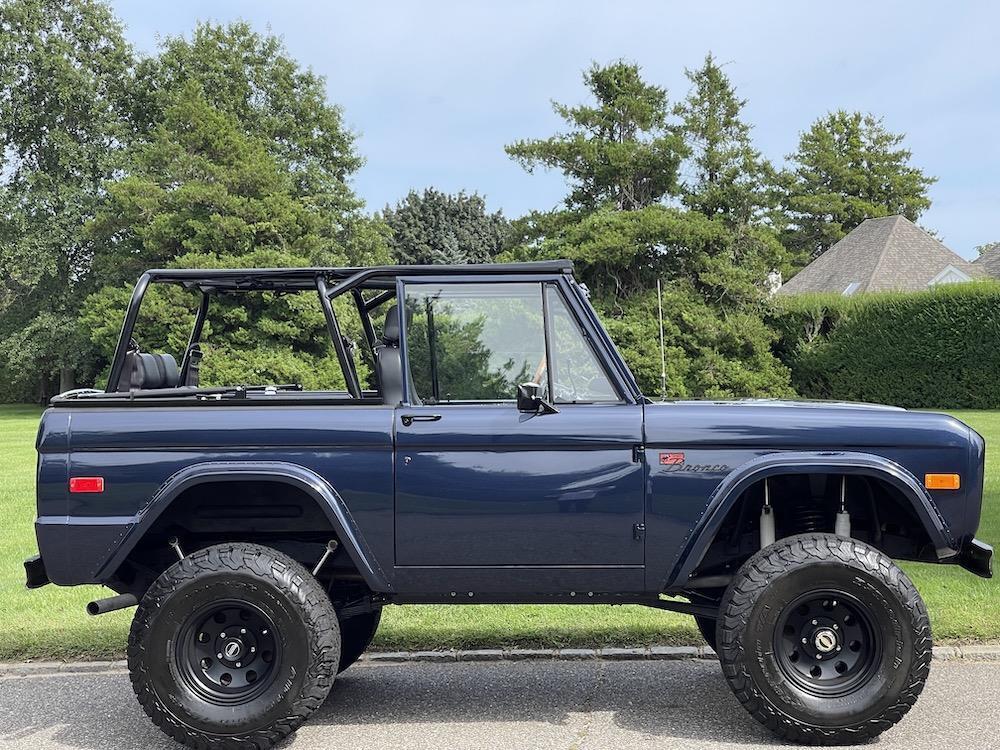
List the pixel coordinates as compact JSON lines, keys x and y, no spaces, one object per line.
{"x":250,"y":78}
{"x":203,"y":193}
{"x":434,"y":227}
{"x":727,"y":175}
{"x":239,"y":160}
{"x":65,"y":69}
{"x":623,"y":227}
{"x":848,"y":168}
{"x":622,"y":152}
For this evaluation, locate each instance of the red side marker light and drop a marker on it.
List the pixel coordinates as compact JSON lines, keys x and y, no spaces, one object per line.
{"x":86,"y":484}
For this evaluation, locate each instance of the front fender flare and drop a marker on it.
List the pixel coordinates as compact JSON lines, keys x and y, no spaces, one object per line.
{"x":308,"y":481}
{"x":846,"y":462}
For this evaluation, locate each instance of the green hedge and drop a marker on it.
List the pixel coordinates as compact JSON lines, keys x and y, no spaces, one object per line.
{"x":933,"y":349}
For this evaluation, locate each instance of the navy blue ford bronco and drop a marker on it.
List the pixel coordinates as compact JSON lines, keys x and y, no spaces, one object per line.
{"x":494,"y":448}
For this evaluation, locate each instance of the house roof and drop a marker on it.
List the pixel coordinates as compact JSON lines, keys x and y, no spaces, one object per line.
{"x":890,"y":253}
{"x":989,"y":260}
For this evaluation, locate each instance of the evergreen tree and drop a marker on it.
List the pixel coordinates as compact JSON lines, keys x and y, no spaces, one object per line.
{"x":727,"y":176}
{"x":250,"y":78}
{"x":434,"y":227}
{"x":848,"y":168}
{"x":624,"y":228}
{"x":202,"y":193}
{"x":620,"y":153}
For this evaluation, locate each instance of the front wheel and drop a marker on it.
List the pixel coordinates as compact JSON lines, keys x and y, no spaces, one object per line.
{"x":824,"y":640}
{"x":233,"y":647}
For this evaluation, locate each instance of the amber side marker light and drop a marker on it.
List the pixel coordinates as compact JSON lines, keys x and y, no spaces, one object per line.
{"x":942,"y":481}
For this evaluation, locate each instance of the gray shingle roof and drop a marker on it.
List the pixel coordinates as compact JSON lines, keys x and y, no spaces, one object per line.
{"x":891,"y":253}
{"x":989,"y":261}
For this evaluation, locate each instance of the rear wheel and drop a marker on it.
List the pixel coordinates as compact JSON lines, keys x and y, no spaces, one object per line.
{"x":824,"y":640}
{"x":234,"y":646}
{"x":356,"y":635}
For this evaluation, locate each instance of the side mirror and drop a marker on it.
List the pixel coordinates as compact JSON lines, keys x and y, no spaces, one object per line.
{"x":529,"y":401}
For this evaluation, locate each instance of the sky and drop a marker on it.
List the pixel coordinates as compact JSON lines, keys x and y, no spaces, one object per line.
{"x":434,"y":90}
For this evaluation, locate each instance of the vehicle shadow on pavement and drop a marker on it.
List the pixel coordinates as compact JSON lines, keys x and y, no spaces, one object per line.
{"x":664,"y":699}
{"x":503,"y":703}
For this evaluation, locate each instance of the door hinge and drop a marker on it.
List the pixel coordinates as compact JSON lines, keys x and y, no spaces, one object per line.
{"x":638,"y":531}
{"x":638,"y":453}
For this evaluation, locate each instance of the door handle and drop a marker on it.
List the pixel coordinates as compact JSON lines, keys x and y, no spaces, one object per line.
{"x":408,"y":419}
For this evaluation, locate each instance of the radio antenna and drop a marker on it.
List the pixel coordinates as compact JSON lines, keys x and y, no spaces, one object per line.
{"x":663,"y":351}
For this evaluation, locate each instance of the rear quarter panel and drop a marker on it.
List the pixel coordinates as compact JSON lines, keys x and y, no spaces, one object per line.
{"x":137,"y":449}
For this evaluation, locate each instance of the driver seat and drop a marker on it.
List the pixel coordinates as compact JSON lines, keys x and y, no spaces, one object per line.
{"x":389,"y":361}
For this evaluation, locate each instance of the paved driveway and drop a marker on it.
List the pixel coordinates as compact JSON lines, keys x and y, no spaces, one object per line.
{"x":519,"y":705}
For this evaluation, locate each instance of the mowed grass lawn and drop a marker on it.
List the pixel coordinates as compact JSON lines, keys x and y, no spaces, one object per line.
{"x":51,"y":622}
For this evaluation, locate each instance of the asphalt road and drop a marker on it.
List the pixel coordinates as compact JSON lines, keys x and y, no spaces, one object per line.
{"x":520,"y":705}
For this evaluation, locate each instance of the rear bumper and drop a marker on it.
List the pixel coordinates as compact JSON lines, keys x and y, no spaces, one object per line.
{"x":977,"y":557}
{"x":34,"y":570}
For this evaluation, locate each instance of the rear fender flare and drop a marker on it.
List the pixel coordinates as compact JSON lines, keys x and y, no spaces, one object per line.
{"x":725,"y":496}
{"x":300,"y":477}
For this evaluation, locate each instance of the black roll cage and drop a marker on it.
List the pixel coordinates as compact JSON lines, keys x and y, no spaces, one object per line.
{"x":328,"y":283}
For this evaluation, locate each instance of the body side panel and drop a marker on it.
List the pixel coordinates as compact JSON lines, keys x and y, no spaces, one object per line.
{"x":137,"y":450}
{"x":716,"y":440}
{"x":486,"y":487}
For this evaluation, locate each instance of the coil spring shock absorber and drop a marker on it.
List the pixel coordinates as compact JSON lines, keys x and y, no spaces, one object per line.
{"x":808,"y":516}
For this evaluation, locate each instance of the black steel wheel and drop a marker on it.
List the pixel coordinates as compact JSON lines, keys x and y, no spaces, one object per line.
{"x":233,"y":647}
{"x":824,"y":640}
{"x":228,"y":652}
{"x":827,"y":643}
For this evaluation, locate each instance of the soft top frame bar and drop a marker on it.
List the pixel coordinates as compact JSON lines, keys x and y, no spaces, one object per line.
{"x":328,"y":283}
{"x":304,"y":279}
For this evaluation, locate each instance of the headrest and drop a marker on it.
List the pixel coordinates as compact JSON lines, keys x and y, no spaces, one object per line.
{"x":390,"y":331}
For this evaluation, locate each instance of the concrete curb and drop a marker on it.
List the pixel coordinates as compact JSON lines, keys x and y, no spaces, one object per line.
{"x":641,"y":653}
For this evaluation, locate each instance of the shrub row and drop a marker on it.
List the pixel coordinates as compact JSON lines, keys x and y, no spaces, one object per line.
{"x":933,"y":349}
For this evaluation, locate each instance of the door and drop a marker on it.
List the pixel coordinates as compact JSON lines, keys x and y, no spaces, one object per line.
{"x":480,"y":484}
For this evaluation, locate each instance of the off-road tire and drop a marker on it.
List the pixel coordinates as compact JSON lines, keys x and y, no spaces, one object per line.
{"x":785,"y":573}
{"x":356,"y":635}
{"x":706,"y":626}
{"x":306,"y":635}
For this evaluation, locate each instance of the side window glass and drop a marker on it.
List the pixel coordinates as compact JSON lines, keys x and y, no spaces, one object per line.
{"x":474,"y":342}
{"x":577,"y":375}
